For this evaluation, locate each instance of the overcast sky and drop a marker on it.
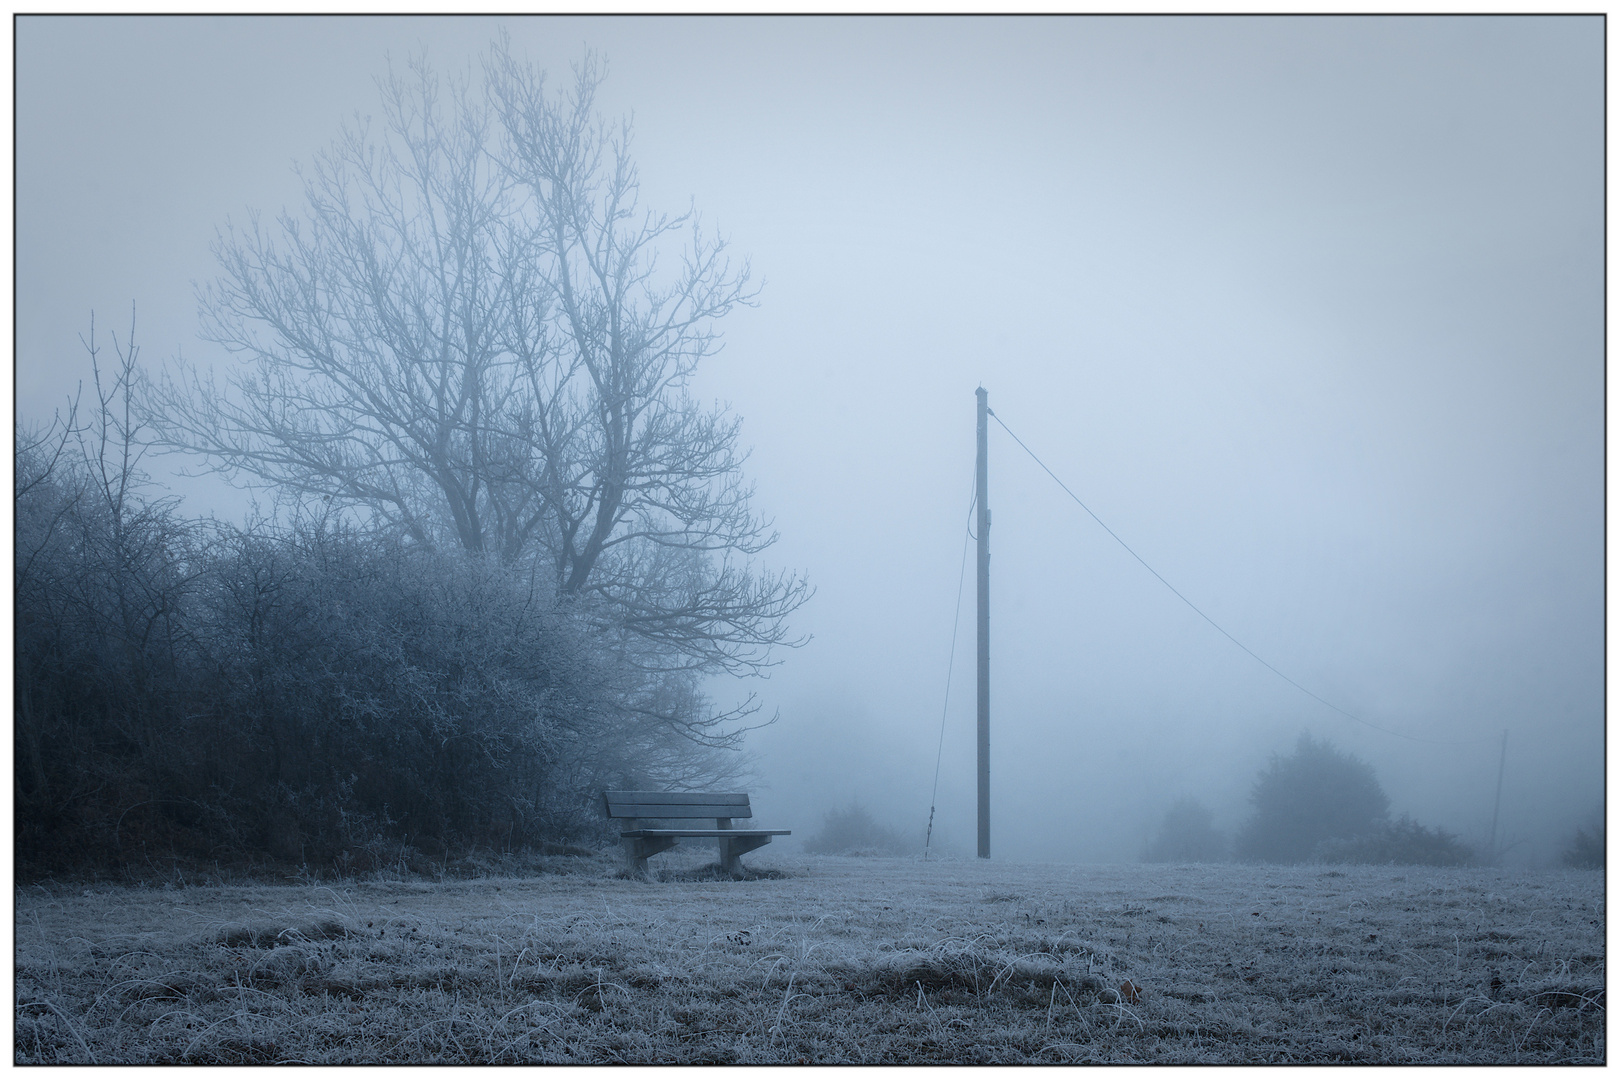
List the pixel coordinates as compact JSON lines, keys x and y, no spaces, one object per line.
{"x":1309,"y":311}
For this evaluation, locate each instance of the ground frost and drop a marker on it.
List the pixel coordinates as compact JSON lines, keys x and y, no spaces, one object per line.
{"x":826,"y":960}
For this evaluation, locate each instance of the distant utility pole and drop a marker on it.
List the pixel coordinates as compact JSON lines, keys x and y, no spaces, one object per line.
{"x":982,"y":481}
{"x":1501,"y":767}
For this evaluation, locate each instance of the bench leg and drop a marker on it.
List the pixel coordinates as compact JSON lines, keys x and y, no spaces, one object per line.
{"x":728,"y":857}
{"x":732,"y":848}
{"x":637,"y":849}
{"x":635,"y":863}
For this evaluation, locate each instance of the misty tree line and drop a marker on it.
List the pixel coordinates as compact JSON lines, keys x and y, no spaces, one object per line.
{"x":506,"y":546}
{"x":1316,"y":804}
{"x":1319,"y":804}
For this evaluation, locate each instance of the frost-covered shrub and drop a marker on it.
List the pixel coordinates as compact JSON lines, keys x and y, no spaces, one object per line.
{"x":1586,"y":851}
{"x":1186,"y":835}
{"x":854,"y":831}
{"x":1316,"y":794}
{"x":313,"y":694}
{"x":1404,"y":841}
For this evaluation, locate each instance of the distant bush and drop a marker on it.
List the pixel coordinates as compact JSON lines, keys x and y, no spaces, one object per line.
{"x":1587,"y":850}
{"x":854,"y":831}
{"x":1186,"y":835}
{"x":1404,"y":842}
{"x":1315,"y":795}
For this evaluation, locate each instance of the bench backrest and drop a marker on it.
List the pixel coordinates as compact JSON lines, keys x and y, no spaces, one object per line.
{"x":675,"y":804}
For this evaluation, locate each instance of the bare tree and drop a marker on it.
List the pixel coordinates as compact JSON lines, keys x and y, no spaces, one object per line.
{"x":372,"y":328}
{"x":469,"y":337}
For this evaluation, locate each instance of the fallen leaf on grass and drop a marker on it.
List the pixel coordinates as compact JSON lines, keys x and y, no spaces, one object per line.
{"x":1130,"y":991}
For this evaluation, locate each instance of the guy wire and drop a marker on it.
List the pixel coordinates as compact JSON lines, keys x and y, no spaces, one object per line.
{"x":956,"y":622}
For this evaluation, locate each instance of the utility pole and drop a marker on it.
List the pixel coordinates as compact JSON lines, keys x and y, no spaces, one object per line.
{"x":1501,"y":767}
{"x":982,"y":488}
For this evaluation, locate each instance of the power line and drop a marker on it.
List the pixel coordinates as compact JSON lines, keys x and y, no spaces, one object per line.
{"x":1268,"y":666}
{"x":956,"y":622}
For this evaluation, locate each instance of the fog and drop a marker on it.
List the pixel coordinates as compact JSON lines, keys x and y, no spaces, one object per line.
{"x":1309,"y":311}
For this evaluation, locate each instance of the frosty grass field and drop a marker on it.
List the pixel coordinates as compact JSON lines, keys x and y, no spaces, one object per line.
{"x":823,"y":960}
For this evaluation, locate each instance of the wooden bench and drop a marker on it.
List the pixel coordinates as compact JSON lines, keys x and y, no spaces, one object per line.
{"x":636,"y":807}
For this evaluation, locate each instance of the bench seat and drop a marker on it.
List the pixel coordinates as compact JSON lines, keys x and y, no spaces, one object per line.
{"x":707,"y":832}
